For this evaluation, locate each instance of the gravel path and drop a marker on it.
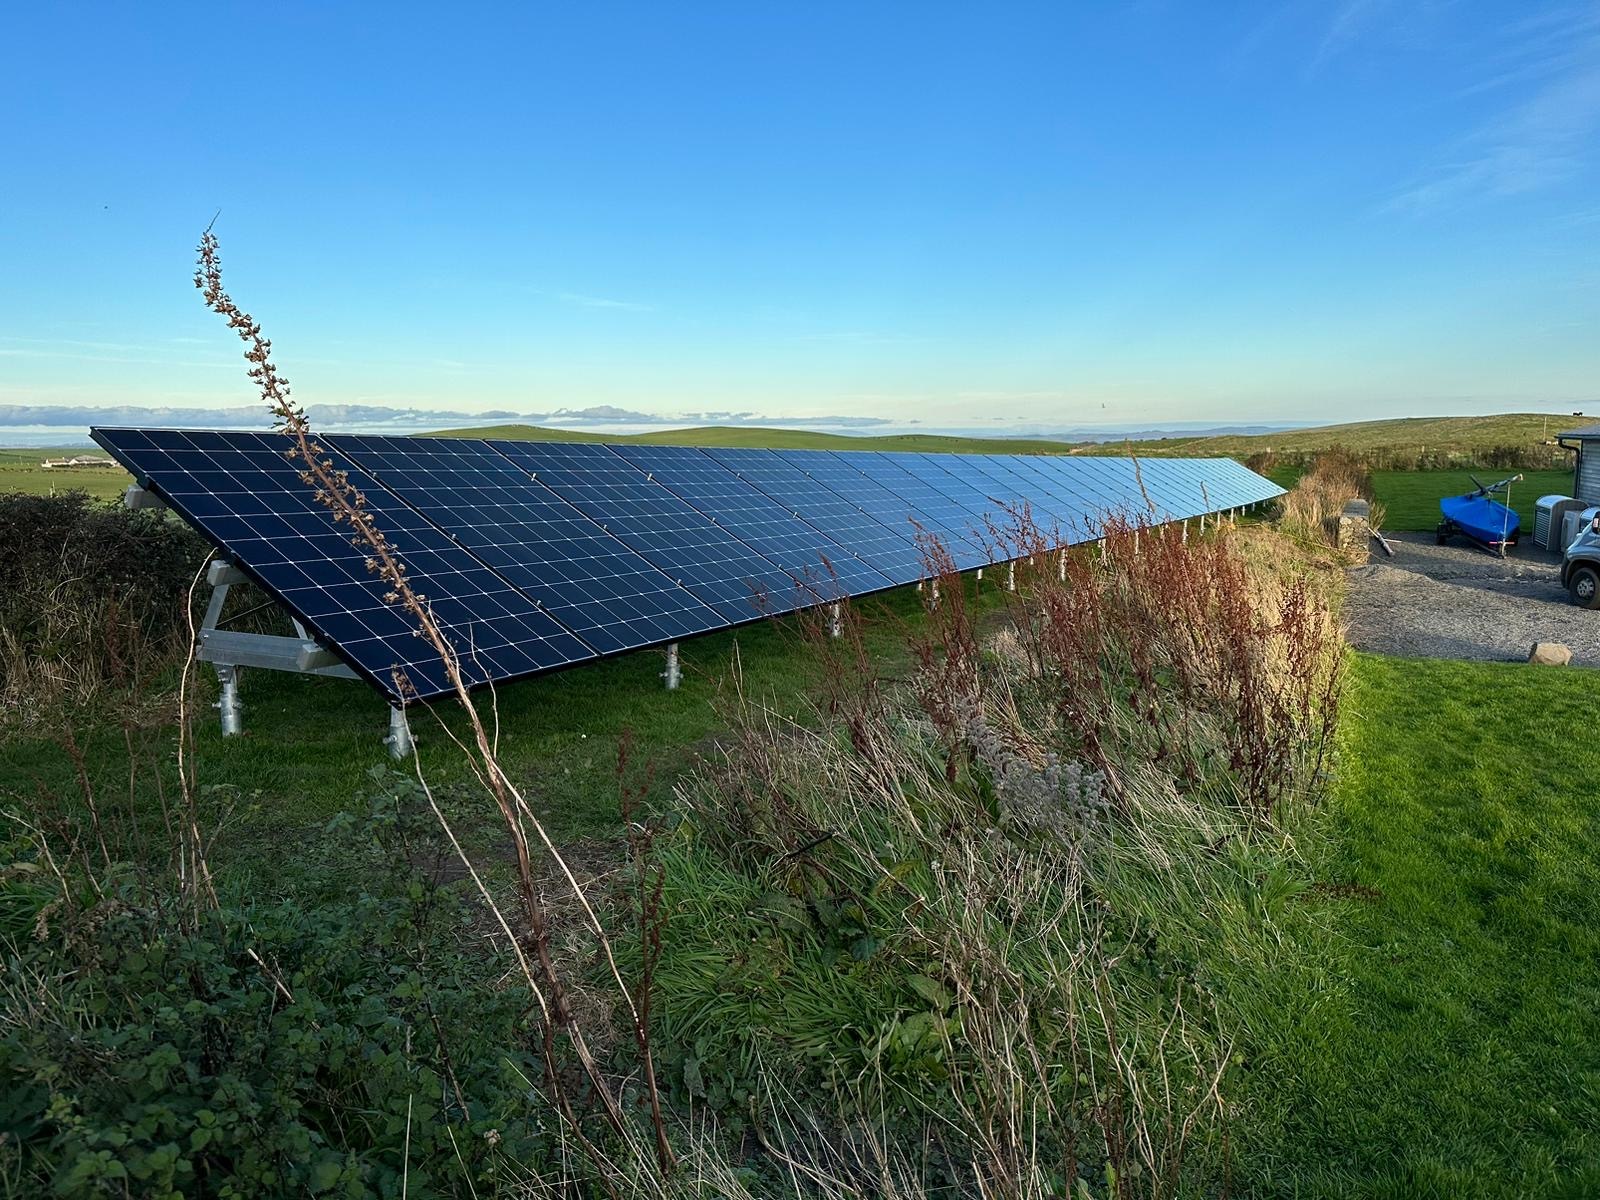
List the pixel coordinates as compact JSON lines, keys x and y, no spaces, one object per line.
{"x":1459,"y":601}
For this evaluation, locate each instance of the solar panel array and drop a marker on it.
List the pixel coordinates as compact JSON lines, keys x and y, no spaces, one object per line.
{"x":537,"y":555}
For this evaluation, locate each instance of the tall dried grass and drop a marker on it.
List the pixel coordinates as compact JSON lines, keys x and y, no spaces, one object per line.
{"x":969,"y":908}
{"x":1312,"y":507}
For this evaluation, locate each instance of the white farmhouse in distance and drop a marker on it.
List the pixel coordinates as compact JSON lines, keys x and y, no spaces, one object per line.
{"x":77,"y":462}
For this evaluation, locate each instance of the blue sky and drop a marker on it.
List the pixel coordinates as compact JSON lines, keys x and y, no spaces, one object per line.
{"x":978,"y":216}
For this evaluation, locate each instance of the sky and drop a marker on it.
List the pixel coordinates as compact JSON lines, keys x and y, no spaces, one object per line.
{"x":987,"y":216}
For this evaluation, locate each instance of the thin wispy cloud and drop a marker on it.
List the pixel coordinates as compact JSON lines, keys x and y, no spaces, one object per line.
{"x":1351,"y":19}
{"x":582,"y":300}
{"x":1545,"y":139}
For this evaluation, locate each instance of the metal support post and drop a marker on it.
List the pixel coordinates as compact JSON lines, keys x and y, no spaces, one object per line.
{"x":933,"y":601}
{"x":1136,"y":539}
{"x":674,"y":672}
{"x":980,"y":574}
{"x":1061,"y":565}
{"x":228,"y":706}
{"x":835,"y":620}
{"x":1011,"y":576}
{"x":399,"y":739}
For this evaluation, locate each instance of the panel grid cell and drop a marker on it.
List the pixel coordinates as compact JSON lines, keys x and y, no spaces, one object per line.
{"x":825,"y":568}
{"x":890,"y":552}
{"x":960,"y":529}
{"x":713,"y":564}
{"x":579,"y":573}
{"x":244,"y":493}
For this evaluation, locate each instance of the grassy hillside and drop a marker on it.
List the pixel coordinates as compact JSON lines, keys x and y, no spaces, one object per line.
{"x":775,"y":439}
{"x":1444,"y":436}
{"x":20,"y":472}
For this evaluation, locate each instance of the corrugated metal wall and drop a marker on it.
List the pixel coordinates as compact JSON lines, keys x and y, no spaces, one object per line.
{"x":1587,"y":486}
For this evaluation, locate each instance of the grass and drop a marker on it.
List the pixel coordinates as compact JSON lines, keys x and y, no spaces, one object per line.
{"x":775,"y":439}
{"x":1411,"y":498}
{"x":1447,"y":435}
{"x":1441,"y":1034}
{"x":20,"y":472}
{"x":1427,"y":1026}
{"x":310,"y":744}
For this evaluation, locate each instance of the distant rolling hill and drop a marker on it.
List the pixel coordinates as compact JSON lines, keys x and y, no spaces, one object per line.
{"x":1442,"y":436}
{"x":762,"y":437}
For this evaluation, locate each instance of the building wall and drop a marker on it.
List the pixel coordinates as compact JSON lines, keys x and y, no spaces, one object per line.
{"x":1586,"y":486}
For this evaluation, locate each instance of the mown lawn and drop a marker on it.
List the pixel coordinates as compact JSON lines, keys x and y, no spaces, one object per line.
{"x":1411,"y":498}
{"x":1440,"y":1036}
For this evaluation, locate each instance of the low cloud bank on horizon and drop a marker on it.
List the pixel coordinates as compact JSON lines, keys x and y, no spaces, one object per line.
{"x":334,"y":415}
{"x":44,"y":424}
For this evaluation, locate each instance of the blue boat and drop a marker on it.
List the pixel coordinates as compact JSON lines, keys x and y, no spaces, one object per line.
{"x":1479,"y":516}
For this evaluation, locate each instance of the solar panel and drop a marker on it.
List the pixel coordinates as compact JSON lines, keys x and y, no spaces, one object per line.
{"x":836,"y":472}
{"x":890,"y":551}
{"x":1076,"y":515}
{"x":247,"y":498}
{"x":536,"y":555}
{"x":573,"y":569}
{"x":713,"y":564}
{"x":961,"y":529}
{"x":1078,"y":478}
{"x":824,"y":566}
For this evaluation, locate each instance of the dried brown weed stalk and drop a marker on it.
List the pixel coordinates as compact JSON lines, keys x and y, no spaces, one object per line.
{"x":347,"y":504}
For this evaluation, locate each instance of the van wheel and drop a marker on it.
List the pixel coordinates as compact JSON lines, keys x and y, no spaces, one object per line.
{"x":1583,"y":585}
{"x":1441,"y":532}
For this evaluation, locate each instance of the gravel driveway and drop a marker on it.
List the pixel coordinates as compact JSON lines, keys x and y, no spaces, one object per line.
{"x":1460,"y":601}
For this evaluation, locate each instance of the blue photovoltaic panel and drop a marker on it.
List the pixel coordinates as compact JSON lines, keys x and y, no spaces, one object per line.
{"x":968,"y":488}
{"x":893,"y":552}
{"x":823,"y":566}
{"x":535,"y":555}
{"x":960,"y":529}
{"x":1077,"y":477}
{"x":661,"y":528}
{"x":1017,"y":495}
{"x":1201,"y":489}
{"x":579,"y":573}
{"x":1076,"y":516}
{"x":246,"y":496}
{"x":836,"y":472}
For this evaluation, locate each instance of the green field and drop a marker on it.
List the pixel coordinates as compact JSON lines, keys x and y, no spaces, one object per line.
{"x":776,"y":439}
{"x":20,"y":472}
{"x":1410,"y":499}
{"x":310,"y":742}
{"x":1440,"y":1033}
{"x":1425,"y":1023}
{"x":1441,"y":435}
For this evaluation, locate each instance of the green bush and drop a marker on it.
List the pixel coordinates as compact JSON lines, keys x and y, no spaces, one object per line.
{"x":285,"y":1047}
{"x":90,"y":592}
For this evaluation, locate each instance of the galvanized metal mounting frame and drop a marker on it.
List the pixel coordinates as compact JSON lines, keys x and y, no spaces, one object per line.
{"x":230,"y":650}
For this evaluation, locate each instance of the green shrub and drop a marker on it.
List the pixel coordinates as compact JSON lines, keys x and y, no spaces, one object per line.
{"x":285,"y":1047}
{"x":91,"y":592}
